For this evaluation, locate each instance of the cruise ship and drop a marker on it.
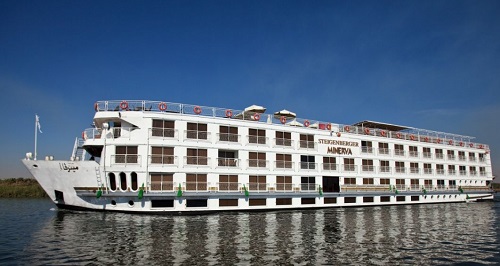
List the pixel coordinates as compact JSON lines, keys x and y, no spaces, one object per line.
{"x":163,"y":157}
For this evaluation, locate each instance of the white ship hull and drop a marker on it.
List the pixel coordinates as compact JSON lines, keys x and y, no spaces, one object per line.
{"x":142,"y":167}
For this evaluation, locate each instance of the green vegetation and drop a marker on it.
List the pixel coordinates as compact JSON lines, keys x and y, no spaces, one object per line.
{"x":21,"y":188}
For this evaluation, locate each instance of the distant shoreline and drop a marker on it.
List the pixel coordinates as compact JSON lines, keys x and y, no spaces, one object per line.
{"x":21,"y":188}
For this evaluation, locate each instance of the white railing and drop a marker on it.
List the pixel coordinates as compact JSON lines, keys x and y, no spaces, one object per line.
{"x":284,"y":165}
{"x":164,"y":132}
{"x":196,"y":161}
{"x":228,"y":137}
{"x":126,"y":159}
{"x":163,"y":159}
{"x":228,"y":162}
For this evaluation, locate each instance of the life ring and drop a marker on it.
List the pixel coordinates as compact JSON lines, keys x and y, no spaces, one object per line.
{"x":229,"y":113}
{"x":426,"y":139}
{"x":398,"y":135}
{"x":124,"y":105}
{"x":382,"y":133}
{"x":481,"y":146}
{"x":256,"y":116}
{"x":307,"y":123}
{"x":96,"y":106}
{"x":412,"y":137}
{"x":450,"y":142}
{"x":84,"y":136}
{"x":471,"y":145}
{"x":162,"y":106}
{"x":329,"y":126}
{"x":438,"y":140}
{"x":197,"y":110}
{"x":347,"y":128}
{"x":338,"y":134}
{"x":367,"y":131}
{"x":461,"y":144}
{"x":283,"y":119}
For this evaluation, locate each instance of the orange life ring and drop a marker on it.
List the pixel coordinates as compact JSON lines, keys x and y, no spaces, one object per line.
{"x":412,"y":137}
{"x":471,"y":145}
{"x":197,"y":110}
{"x":398,"y":135}
{"x":461,"y":144}
{"x":382,"y":133}
{"x":162,"y":106}
{"x":338,"y":134}
{"x":329,"y":126}
{"x":450,"y":142}
{"x":229,"y":113}
{"x":283,"y":119}
{"x":347,"y":128}
{"x":96,"y":106}
{"x":426,"y":139}
{"x":124,"y":105}
{"x":481,"y":146}
{"x":256,"y":116}
{"x":307,"y":123}
{"x":438,"y":140}
{"x":367,"y":131}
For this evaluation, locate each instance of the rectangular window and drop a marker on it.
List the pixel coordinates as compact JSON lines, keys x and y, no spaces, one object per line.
{"x":162,"y":182}
{"x":284,"y":183}
{"x":227,"y":158}
{"x":427,"y":153}
{"x":307,"y":201}
{"x":329,"y":163}
{"x":257,"y":159}
{"x":367,"y":181}
{"x":227,"y":133}
{"x":384,"y":167}
{"x":196,"y":203}
{"x":439,"y":154}
{"x":414,"y":168}
{"x":367,"y":165}
{"x":196,"y":131}
{"x":162,"y":155}
{"x":283,"y":138}
{"x":162,"y":203}
{"x":283,"y":201}
{"x":197,"y":156}
{"x":368,"y":199}
{"x":228,"y":202}
{"x":451,"y":170}
{"x":350,"y":200}
{"x":451,"y":155}
{"x":427,"y":168}
{"x":413,"y":151}
{"x":257,"y":183}
{"x":257,"y":202}
{"x":228,"y":182}
{"x":163,"y":128}
{"x":126,"y":154}
{"x":257,"y":136}
{"x":383,"y":148}
{"x":440,"y":169}
{"x":400,"y":198}
{"x":399,"y":150}
{"x":461,"y":156}
{"x":284,"y":161}
{"x":196,"y":182}
{"x":349,"y":165}
{"x":308,"y":183}
{"x":349,"y":181}
{"x":307,"y":162}
{"x":385,"y":199}
{"x":332,"y":200}
{"x":415,"y":198}
{"x":400,"y":167}
{"x":307,"y":141}
{"x":366,"y":147}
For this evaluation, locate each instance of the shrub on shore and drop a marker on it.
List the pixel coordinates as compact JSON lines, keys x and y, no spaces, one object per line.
{"x":21,"y":188}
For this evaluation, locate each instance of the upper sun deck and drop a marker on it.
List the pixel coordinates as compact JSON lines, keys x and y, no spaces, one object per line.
{"x":286,"y":118}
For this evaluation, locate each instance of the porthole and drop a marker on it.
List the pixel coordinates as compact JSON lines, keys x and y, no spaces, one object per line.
{"x":131,"y":203}
{"x":133,"y":177}
{"x":123,"y":181}
{"x":112,"y":181}
{"x":113,"y":203}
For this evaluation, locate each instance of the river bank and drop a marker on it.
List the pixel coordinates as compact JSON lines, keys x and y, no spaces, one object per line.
{"x":21,"y":188}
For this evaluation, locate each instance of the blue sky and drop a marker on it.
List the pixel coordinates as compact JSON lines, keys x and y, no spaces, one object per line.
{"x":426,"y":64}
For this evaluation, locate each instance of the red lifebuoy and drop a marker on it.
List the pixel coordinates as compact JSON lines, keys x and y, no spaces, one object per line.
{"x":461,"y":144}
{"x":426,"y":139}
{"x":329,"y":126}
{"x":83,"y":135}
{"x":382,"y":133}
{"x":412,"y":137}
{"x":162,"y":106}
{"x":229,"y":113}
{"x":481,"y":146}
{"x":338,"y":134}
{"x":307,"y":123}
{"x":438,"y":140}
{"x":398,"y":135}
{"x":283,"y":119}
{"x":256,"y":116}
{"x":471,"y":145}
{"x":450,"y":142}
{"x":197,"y":110}
{"x":367,"y":131}
{"x":96,"y":106}
{"x":124,"y":105}
{"x":347,"y":128}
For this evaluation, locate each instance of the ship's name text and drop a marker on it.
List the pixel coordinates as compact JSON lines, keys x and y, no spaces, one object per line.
{"x":338,"y":142}
{"x":335,"y":150}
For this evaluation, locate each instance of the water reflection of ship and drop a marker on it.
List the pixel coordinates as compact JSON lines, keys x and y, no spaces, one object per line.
{"x":378,"y":235}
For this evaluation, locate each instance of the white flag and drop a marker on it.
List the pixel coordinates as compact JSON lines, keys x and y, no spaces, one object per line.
{"x":38,"y":123}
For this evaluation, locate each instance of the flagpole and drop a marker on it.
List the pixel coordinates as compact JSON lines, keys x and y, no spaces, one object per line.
{"x":36,"y":132}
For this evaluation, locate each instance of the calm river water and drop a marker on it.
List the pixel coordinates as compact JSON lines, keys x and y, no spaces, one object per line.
{"x":34,"y":232}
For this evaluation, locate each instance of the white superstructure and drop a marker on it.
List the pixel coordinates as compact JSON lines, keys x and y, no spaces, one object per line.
{"x":152,"y":156}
